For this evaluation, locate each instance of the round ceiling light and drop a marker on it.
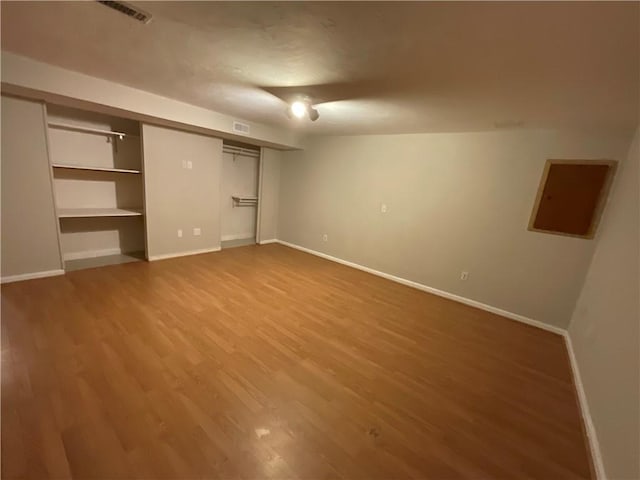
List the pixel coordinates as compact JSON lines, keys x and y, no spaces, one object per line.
{"x":298,"y":109}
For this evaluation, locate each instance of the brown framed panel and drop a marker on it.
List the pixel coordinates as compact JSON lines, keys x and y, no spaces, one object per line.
{"x":571,"y":197}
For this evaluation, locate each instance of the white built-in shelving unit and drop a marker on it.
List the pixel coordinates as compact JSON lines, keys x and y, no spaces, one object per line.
{"x":97,"y":176}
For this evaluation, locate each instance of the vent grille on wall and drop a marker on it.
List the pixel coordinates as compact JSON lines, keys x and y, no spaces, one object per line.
{"x":242,"y":128}
{"x":245,"y":152}
{"x":128,"y":10}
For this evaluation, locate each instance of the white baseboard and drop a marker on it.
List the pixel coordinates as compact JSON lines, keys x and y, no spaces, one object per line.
{"x":183,"y":254}
{"x":238,"y":236}
{"x":91,"y":254}
{"x":31,"y":276}
{"x":266,"y":242}
{"x":590,"y":428}
{"x":435,"y":291}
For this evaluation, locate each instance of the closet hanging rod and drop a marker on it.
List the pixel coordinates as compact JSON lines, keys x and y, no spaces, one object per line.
{"x":67,"y":126}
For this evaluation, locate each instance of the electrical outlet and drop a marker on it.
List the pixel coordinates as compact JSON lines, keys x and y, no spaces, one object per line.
{"x":179,"y":233}
{"x":189,"y":164}
{"x":184,"y":164}
{"x":464,"y":275}
{"x":383,"y":208}
{"x":196,"y":231}
{"x":325,"y":238}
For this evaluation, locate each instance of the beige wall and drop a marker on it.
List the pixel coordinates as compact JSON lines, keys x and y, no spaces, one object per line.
{"x":269,"y":192}
{"x":605,"y":331}
{"x":456,"y":202}
{"x":29,"y":231}
{"x":179,"y":198}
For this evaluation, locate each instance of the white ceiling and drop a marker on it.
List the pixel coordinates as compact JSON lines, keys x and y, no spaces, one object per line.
{"x":380,"y":67}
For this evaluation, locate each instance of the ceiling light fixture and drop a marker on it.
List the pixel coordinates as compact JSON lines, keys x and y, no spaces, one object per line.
{"x":300,"y":108}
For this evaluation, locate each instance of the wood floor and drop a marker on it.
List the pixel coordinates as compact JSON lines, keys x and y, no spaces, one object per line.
{"x":266,"y":362}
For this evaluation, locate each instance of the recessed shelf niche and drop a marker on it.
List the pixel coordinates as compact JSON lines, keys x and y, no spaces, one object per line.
{"x":98,"y":184}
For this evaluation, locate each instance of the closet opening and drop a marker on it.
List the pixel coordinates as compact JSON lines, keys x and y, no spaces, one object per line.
{"x":240,"y":179}
{"x":96,"y":170}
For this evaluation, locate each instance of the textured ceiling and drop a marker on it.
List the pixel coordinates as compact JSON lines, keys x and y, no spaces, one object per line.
{"x":379,"y":67}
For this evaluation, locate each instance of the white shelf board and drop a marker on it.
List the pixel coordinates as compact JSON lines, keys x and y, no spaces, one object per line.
{"x":98,"y":212}
{"x":97,"y":169}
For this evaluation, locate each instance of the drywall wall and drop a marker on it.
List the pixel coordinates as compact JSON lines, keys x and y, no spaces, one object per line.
{"x":27,"y":77}
{"x":455,"y":202}
{"x":605,"y":327}
{"x":181,"y":198}
{"x":239,"y":178}
{"x":29,"y":231}
{"x":269,"y":194}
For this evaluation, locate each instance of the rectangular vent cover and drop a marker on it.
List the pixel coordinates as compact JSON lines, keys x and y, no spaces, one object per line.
{"x":239,"y":127}
{"x":128,"y":10}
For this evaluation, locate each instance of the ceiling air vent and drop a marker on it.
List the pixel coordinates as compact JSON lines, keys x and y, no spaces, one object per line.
{"x":128,"y":10}
{"x":242,"y":128}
